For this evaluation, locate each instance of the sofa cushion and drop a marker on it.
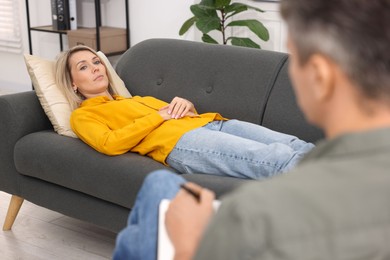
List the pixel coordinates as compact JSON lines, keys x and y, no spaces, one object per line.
{"x":53,"y":101}
{"x":71,"y":163}
{"x":112,"y":178}
{"x":281,"y":105}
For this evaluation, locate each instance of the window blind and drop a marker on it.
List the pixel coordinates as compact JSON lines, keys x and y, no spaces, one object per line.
{"x":10,"y":32}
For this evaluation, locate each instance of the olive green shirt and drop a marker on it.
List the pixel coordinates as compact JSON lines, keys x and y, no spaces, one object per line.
{"x":334,"y":205}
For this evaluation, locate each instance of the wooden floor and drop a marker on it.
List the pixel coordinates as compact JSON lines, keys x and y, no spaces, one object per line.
{"x":39,"y":233}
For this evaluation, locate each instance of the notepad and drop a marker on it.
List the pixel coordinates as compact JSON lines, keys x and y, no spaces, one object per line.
{"x":165,"y":250}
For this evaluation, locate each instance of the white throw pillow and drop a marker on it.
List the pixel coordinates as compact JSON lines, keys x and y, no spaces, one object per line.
{"x":53,"y":101}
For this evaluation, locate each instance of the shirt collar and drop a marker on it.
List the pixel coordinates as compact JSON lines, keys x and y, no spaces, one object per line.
{"x":99,"y":100}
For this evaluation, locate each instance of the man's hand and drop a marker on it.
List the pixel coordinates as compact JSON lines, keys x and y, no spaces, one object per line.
{"x":186,"y":219}
{"x":179,"y":107}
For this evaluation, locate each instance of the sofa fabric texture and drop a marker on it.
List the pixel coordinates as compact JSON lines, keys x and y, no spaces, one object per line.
{"x":66,"y":175}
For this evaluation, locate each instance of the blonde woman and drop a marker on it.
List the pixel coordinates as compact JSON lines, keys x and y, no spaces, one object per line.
{"x":171,"y":133}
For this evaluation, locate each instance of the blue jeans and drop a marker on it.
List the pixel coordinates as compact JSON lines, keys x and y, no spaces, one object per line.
{"x":139,"y":239}
{"x":237,"y":149}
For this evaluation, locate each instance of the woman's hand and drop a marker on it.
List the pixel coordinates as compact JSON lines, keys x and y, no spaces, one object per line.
{"x":186,"y":219}
{"x":178,"y":108}
{"x":164,"y":113}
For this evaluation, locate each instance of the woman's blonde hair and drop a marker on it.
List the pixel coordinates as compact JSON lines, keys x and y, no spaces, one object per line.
{"x":64,"y":77}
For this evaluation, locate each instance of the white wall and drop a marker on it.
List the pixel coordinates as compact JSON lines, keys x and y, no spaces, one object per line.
{"x":158,"y":19}
{"x":148,"y":19}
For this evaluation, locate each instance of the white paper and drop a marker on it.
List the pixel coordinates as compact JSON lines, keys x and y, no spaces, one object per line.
{"x":165,"y":250}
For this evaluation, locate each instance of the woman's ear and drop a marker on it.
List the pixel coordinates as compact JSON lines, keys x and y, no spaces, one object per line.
{"x":323,"y":76}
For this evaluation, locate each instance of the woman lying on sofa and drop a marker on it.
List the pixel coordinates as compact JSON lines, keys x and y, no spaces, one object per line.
{"x":171,"y":133}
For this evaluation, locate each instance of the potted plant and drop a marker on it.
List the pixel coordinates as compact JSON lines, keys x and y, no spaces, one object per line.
{"x":217,"y":15}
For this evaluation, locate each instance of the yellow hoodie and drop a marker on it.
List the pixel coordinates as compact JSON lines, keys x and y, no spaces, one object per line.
{"x":132,"y":124}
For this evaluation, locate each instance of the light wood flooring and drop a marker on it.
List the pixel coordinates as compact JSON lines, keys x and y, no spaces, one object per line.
{"x":39,"y":233}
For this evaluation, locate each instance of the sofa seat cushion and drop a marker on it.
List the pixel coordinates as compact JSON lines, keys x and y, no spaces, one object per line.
{"x":70,"y":163}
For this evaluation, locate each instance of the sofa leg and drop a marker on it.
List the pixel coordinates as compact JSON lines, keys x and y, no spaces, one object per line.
{"x":13,"y":210}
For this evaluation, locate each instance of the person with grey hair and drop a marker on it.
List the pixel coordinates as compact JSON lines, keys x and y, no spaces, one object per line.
{"x":334,"y":204}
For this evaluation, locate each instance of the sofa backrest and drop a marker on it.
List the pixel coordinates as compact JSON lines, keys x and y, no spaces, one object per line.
{"x":282,"y":112}
{"x":242,"y":83}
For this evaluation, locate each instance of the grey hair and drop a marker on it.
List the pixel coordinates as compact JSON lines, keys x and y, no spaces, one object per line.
{"x":353,"y":33}
{"x":64,"y":77}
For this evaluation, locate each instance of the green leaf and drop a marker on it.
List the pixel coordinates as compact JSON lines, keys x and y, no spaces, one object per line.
{"x":187,"y":25}
{"x":203,"y":11}
{"x":244,"y":42}
{"x":207,"y":38}
{"x":236,"y":7}
{"x":249,"y":7}
{"x":208,"y":24}
{"x":255,"y":26}
{"x":222,"y":3}
{"x":208,"y":3}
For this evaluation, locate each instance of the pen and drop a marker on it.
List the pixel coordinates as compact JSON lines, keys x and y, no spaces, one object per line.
{"x":190,"y":191}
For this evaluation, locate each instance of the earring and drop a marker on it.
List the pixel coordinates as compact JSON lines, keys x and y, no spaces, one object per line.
{"x":75,"y":91}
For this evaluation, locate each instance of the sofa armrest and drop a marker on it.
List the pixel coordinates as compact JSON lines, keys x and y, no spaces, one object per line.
{"x":20,"y":114}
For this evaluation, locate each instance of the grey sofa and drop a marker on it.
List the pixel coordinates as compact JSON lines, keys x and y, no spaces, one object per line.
{"x":65,"y":175}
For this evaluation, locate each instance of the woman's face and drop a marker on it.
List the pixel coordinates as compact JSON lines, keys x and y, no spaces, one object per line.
{"x":88,"y":74}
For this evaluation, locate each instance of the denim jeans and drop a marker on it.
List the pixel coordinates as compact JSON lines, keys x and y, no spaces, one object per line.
{"x":237,"y":149}
{"x":139,"y":239}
